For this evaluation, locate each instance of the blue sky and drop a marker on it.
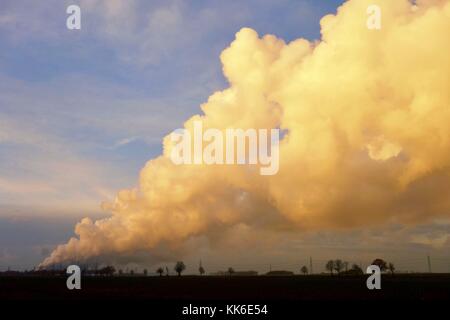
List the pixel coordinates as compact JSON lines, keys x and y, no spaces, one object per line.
{"x":97,"y":101}
{"x":81,"y":111}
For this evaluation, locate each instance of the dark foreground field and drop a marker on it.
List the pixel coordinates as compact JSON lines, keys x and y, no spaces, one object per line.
{"x":426,"y":287}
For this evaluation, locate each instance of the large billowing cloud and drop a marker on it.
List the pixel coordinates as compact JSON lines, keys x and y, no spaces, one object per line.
{"x":366,"y":115}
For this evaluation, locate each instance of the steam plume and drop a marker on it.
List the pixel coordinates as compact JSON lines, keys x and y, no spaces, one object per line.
{"x":366,"y":115}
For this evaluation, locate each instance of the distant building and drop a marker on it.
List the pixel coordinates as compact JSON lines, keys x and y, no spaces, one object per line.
{"x":235,"y":273}
{"x":279,"y":273}
{"x":245,"y":273}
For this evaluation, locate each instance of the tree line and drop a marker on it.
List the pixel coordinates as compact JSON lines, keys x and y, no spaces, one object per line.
{"x":336,"y":266}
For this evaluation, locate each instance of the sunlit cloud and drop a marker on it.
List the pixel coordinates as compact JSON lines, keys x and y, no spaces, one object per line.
{"x":367,"y":140}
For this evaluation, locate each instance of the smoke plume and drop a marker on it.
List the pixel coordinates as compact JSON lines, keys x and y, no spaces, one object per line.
{"x":366,"y":118}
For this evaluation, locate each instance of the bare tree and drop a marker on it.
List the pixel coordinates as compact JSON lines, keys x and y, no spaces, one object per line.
{"x":304,"y":270}
{"x":345,"y":263}
{"x":357,"y":269}
{"x":230,"y":270}
{"x":179,"y":267}
{"x":391,"y":267}
{"x":145,"y":272}
{"x":160,"y":270}
{"x":201,"y":270}
{"x":380,"y":263}
{"x":330,"y":266}
{"x":338,"y":265}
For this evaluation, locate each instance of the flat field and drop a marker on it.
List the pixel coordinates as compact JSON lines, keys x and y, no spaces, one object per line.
{"x":426,"y":287}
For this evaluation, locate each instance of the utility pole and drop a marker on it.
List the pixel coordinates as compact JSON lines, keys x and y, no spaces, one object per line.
{"x":429,"y":264}
{"x":310,"y":265}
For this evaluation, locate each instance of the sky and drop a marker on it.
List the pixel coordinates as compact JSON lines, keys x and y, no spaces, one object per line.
{"x":82,"y":111}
